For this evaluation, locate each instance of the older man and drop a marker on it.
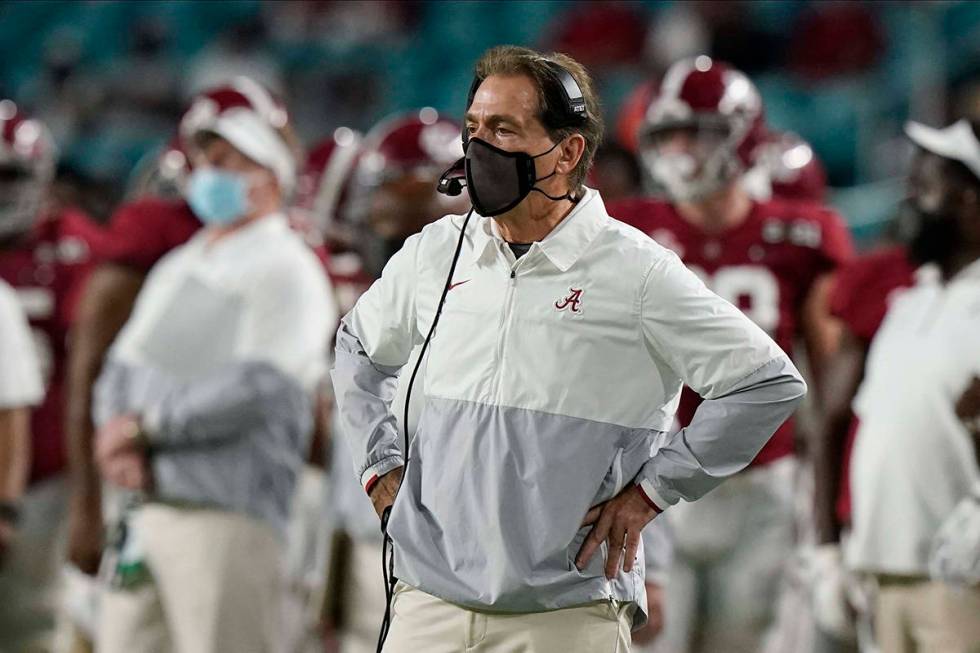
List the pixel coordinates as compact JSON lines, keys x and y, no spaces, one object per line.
{"x":553,"y":376}
{"x":204,"y":403}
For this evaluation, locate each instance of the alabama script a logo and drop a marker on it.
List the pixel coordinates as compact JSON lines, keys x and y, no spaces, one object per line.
{"x":572,"y":302}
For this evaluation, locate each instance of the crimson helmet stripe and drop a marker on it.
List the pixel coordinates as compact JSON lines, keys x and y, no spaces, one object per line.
{"x":704,"y":90}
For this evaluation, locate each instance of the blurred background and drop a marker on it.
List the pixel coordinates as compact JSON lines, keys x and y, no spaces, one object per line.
{"x":111,"y":78}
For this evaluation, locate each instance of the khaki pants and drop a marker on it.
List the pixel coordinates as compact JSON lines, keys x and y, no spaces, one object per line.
{"x":216,"y":587}
{"x":422,"y":622}
{"x":923,"y":616}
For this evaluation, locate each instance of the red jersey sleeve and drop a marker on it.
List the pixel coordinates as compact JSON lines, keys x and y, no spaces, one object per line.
{"x":78,"y":233}
{"x":141,"y":232}
{"x":836,"y":244}
{"x":861,"y":289}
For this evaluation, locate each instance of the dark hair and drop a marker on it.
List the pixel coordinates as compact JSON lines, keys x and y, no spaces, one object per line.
{"x":513,"y":60}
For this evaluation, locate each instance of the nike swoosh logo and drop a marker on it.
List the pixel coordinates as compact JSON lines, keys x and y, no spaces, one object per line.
{"x":458,"y":283}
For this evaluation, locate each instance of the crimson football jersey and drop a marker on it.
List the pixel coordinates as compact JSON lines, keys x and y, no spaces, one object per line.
{"x":142,"y":231}
{"x":48,"y":270}
{"x":766,"y":266}
{"x":859,"y":297}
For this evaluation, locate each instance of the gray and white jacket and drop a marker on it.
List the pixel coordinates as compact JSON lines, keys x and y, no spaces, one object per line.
{"x":551,"y":384}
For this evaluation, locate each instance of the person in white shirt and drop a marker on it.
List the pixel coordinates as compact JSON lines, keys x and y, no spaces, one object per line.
{"x":204,"y":406}
{"x":916,"y":454}
{"x":20,"y":389}
{"x":565,"y":337}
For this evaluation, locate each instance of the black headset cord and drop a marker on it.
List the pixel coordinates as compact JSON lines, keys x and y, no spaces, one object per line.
{"x":387,"y":547}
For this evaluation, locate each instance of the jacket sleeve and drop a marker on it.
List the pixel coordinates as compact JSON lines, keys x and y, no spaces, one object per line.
{"x":373,"y":343}
{"x":222,"y":406}
{"x":227,"y":404}
{"x":749,"y":385}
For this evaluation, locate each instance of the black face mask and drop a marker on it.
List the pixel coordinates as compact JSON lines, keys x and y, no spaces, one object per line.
{"x":498,"y":180}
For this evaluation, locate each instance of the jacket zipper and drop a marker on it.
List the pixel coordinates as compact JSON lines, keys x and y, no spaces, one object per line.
{"x":504,"y":329}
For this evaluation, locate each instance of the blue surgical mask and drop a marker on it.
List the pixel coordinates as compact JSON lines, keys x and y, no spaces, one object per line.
{"x":216,"y":196}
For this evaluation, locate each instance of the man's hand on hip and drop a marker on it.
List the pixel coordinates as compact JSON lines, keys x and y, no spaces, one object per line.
{"x":383,"y":491}
{"x":620,"y":521}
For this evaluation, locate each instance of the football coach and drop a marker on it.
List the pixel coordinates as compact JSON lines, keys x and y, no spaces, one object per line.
{"x":563,"y":340}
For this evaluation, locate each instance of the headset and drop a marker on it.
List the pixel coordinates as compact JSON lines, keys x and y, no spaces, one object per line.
{"x":568,"y":111}
{"x":571,"y":111}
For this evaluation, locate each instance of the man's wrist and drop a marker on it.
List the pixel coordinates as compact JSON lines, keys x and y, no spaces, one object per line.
{"x":650,"y":496}
{"x":376,"y":480}
{"x":377,"y":471}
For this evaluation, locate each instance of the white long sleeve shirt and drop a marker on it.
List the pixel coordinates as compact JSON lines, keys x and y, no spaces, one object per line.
{"x":225,"y":345}
{"x":258,"y":294}
{"x":913,"y":458}
{"x":20,"y":373}
{"x":550,"y":383}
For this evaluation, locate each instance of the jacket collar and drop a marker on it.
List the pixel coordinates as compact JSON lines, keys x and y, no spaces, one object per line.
{"x":564,"y":245}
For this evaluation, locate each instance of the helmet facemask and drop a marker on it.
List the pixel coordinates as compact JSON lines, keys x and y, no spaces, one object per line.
{"x":692,"y":159}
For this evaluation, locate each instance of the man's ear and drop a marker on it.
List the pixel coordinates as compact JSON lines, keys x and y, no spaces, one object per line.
{"x":570,"y":153}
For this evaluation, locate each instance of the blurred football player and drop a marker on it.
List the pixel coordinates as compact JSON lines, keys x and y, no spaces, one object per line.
{"x":392,"y":195}
{"x":323,"y":196}
{"x":322,"y":191}
{"x":204,"y":405}
{"x":394,"y":192}
{"x":46,"y":254}
{"x":780,"y":163}
{"x":770,"y":258}
{"x":918,"y":409}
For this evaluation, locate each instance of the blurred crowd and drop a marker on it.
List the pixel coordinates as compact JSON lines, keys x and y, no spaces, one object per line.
{"x":193,"y":194}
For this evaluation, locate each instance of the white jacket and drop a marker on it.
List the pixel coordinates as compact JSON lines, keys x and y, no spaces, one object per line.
{"x":550,"y":384}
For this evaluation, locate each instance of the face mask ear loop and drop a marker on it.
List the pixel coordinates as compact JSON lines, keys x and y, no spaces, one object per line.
{"x":567,"y":196}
